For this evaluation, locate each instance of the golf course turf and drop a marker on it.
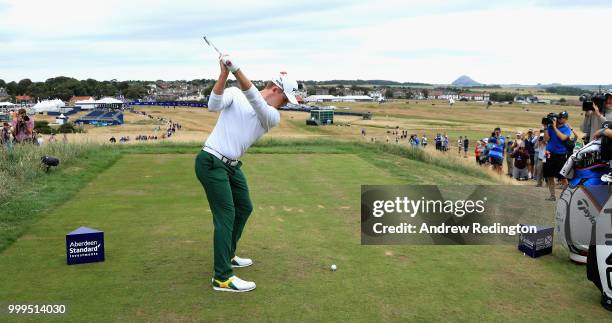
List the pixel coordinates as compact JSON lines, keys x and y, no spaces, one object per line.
{"x":158,"y":234}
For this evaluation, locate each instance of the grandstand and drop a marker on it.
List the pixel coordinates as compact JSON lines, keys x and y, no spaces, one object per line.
{"x":102,"y":118}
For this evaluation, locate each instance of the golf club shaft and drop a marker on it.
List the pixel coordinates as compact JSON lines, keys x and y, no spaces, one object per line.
{"x":211,"y":45}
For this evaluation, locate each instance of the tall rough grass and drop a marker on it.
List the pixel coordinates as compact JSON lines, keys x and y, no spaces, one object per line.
{"x":21,"y":165}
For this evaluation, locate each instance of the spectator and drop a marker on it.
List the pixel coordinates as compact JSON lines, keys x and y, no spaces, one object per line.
{"x":39,"y":140}
{"x":484,"y":154}
{"x":23,"y":126}
{"x":556,"y":136}
{"x":424,"y":141}
{"x":540,"y":150}
{"x":414,"y":141}
{"x":459,"y":145}
{"x":530,"y":142}
{"x":466,"y":145}
{"x":477,"y":150}
{"x":445,"y":143}
{"x":5,"y":136}
{"x":509,"y":147}
{"x":496,"y":152}
{"x":52,"y":138}
{"x":521,"y":160}
{"x":593,"y":119}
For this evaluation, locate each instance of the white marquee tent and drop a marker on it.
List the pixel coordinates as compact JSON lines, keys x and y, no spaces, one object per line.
{"x":103,"y":102}
{"x":109,"y":100}
{"x":48,"y":105}
{"x":86,"y":104}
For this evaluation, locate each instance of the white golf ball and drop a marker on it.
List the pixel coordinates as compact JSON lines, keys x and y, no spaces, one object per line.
{"x":333,"y":267}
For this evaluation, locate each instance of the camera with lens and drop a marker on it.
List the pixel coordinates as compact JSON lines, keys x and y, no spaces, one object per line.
{"x":549,"y":119}
{"x":588,"y":99}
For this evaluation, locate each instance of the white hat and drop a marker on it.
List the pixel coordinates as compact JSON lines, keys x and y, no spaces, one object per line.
{"x":288,"y":85}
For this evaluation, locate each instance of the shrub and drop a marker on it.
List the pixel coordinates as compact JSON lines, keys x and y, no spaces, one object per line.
{"x":43,"y":127}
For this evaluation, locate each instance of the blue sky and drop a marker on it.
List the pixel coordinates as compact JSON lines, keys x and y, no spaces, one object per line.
{"x":432,"y":41}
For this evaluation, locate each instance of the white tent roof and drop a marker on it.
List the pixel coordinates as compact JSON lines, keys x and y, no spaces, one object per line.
{"x":314,"y":98}
{"x":6,"y":104}
{"x":48,"y":105}
{"x":88,"y":101}
{"x":109,"y":100}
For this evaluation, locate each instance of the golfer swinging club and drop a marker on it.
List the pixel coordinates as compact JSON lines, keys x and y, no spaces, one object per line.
{"x":246,"y":114}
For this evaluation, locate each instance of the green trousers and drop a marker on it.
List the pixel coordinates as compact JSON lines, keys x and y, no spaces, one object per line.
{"x":228,"y":196}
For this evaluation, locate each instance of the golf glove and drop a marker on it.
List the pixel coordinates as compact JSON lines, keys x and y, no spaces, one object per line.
{"x":229,"y":63}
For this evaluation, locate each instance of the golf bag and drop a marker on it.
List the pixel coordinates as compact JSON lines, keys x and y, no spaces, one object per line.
{"x":599,"y":262}
{"x":586,"y":166}
{"x":575,"y":215}
{"x":580,"y":204}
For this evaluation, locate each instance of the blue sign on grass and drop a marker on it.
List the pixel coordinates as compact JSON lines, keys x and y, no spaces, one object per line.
{"x":84,"y":245}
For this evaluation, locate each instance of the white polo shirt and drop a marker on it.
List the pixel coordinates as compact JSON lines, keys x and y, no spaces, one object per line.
{"x":245,"y":117}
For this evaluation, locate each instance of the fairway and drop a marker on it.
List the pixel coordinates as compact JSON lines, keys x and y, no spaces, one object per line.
{"x":158,"y":235}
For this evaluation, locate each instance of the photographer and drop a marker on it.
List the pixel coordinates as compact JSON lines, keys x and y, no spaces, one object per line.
{"x":596,"y":115}
{"x":556,"y":135}
{"x":22,"y":126}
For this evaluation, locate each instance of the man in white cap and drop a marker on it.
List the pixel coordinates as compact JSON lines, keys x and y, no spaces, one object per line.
{"x":246,"y":114}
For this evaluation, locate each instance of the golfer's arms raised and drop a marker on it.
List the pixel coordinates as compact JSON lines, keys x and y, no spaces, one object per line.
{"x":217,"y":101}
{"x":268,"y":116}
{"x":243,"y":81}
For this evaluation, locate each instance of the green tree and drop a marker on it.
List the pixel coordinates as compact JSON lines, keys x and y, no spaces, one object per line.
{"x":135,"y":91}
{"x":123,"y":86}
{"x":107,"y":89}
{"x":38,"y":90}
{"x":208,"y":89}
{"x":502,"y":96}
{"x":389,"y":93}
{"x":23,"y":85}
{"x":43,"y":127}
{"x":11,"y":88}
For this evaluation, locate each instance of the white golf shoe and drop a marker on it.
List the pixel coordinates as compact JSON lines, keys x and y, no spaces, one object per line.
{"x":233,"y":284}
{"x":238,"y":262}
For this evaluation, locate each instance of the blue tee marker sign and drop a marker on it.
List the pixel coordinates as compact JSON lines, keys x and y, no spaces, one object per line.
{"x":84,"y":245}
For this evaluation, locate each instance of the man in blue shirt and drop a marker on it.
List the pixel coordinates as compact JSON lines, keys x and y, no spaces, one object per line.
{"x":556,"y":136}
{"x":496,"y":153}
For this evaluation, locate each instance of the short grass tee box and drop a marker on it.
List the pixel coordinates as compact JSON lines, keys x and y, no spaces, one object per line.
{"x":84,"y":245}
{"x":537,"y":244}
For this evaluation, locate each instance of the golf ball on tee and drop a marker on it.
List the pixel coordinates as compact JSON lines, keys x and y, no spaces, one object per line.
{"x":333,"y":267}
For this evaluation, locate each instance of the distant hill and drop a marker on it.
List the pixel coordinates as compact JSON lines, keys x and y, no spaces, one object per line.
{"x":465,"y":81}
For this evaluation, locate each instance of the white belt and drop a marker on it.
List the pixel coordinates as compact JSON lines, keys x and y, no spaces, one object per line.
{"x":223,"y":159}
